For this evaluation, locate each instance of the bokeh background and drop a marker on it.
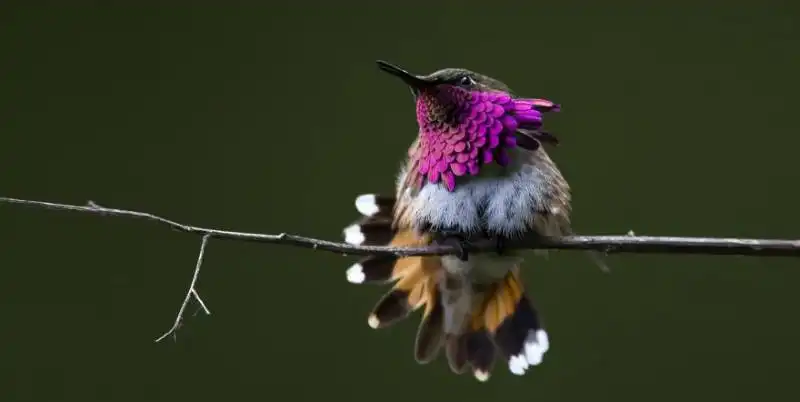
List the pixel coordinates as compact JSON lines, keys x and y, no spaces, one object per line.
{"x":677,"y":120}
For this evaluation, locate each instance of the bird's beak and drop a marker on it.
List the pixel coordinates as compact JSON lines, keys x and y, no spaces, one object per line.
{"x":416,"y":82}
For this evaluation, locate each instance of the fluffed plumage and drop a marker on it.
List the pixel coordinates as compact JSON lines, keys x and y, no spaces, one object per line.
{"x":476,"y":170}
{"x":501,"y":323}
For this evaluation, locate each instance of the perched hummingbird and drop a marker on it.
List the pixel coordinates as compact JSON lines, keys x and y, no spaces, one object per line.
{"x":477,"y":170}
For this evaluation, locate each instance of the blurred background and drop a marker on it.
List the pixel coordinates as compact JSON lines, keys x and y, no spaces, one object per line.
{"x":677,"y":120}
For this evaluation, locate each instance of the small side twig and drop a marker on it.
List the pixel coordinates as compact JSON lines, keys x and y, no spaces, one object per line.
{"x":629,"y":243}
{"x":191,"y":293}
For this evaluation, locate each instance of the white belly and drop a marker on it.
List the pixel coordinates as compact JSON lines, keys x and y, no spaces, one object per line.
{"x":501,"y":204}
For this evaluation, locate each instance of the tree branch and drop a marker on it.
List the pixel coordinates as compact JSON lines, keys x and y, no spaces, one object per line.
{"x":606,"y":244}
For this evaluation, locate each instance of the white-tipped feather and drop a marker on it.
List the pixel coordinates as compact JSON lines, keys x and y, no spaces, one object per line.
{"x":536,"y":348}
{"x":543,"y":340}
{"x":518,"y":364}
{"x":373,"y":321}
{"x":533,"y":356}
{"x":355,"y":274}
{"x":536,"y":344}
{"x":353,"y":235}
{"x":367,"y":205}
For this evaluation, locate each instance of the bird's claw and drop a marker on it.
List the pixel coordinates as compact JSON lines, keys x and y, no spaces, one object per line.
{"x":458,"y":242}
{"x":500,"y":244}
{"x":500,"y":241}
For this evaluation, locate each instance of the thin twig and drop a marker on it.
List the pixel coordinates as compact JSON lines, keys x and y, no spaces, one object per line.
{"x":189,"y":294}
{"x":629,"y":243}
{"x":605,"y":244}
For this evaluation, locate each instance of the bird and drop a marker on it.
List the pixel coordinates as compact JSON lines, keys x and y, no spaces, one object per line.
{"x":477,"y":170}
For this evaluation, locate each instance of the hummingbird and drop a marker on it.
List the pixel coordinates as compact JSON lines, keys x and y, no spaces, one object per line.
{"x":477,"y":170}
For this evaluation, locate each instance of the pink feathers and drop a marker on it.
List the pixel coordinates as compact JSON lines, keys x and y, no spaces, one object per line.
{"x":461,"y":131}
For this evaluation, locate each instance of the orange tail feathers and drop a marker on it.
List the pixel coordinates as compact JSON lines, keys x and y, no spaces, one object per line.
{"x":504,"y":323}
{"x":415,"y":288}
{"x":509,"y":318}
{"x":415,"y":278}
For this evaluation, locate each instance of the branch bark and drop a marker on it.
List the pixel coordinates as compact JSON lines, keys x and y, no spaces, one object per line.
{"x":603,"y":243}
{"x":606,"y":244}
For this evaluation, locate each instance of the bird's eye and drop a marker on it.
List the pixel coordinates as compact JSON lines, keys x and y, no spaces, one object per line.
{"x":466,"y":81}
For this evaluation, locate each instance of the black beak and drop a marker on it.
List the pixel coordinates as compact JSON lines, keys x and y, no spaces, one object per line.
{"x":416,"y":82}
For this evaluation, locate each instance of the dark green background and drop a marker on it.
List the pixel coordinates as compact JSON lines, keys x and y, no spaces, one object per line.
{"x":676,"y":121}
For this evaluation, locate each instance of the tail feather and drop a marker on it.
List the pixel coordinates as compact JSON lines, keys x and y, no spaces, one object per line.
{"x":380,"y":269}
{"x":377,"y":269}
{"x":472,"y":347}
{"x":503,"y":323}
{"x":480,"y":353}
{"x":430,"y":334}
{"x":392,"y":307}
{"x":410,"y":292}
{"x":369,"y":231}
{"x":414,"y":277}
{"x":375,"y":205}
{"x":456,"y":352}
{"x":514,"y":325}
{"x":377,"y":230}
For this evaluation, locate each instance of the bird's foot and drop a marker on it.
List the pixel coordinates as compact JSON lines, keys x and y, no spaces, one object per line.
{"x":455,"y":240}
{"x":500,"y":241}
{"x":500,"y":244}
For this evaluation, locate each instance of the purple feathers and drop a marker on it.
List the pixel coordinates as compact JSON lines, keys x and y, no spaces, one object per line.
{"x":477,"y":131}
